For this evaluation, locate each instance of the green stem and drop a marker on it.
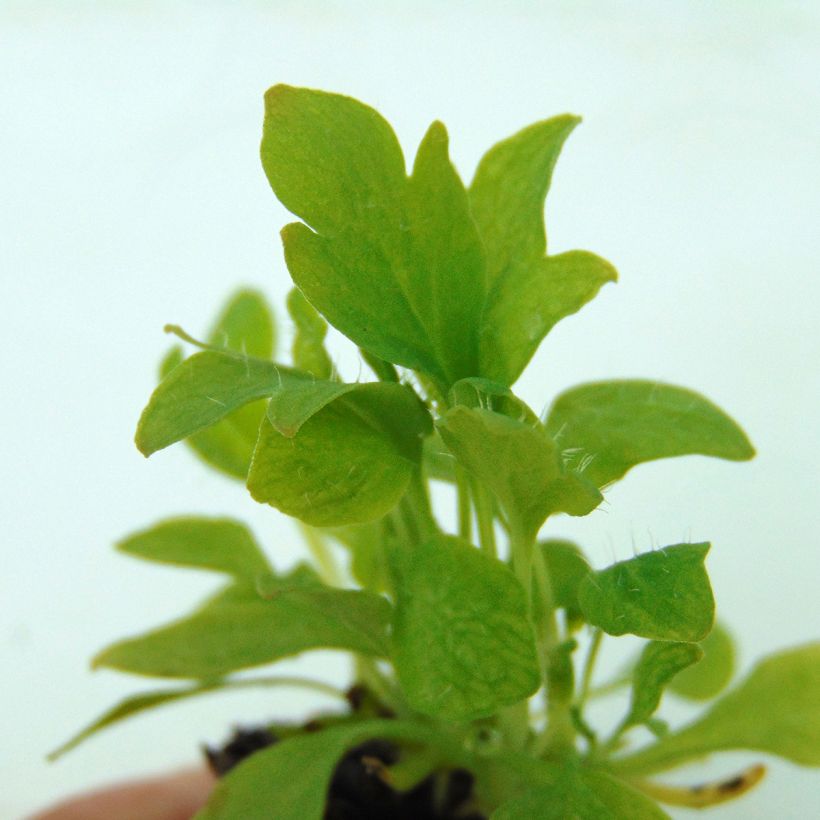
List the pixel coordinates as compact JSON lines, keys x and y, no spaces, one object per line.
{"x":521,"y":555}
{"x":589,"y":666}
{"x":608,"y":688}
{"x":559,"y":735}
{"x":483,"y":503}
{"x":416,"y":511}
{"x":465,"y":519}
{"x":322,"y":555}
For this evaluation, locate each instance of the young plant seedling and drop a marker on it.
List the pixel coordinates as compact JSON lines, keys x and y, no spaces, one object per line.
{"x":465,"y":643}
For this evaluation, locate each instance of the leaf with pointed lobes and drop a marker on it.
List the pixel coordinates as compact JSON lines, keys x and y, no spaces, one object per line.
{"x":395,"y":263}
{"x":663,"y":595}
{"x":612,"y":426}
{"x":528,"y":292}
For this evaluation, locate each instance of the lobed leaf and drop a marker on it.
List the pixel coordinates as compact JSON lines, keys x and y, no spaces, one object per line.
{"x":709,"y":676}
{"x":528,"y":292}
{"x":657,"y":666}
{"x":663,"y":595}
{"x":352,"y":452}
{"x":462,"y":643}
{"x":238,"y":629}
{"x":581,"y":795}
{"x":526,"y":304}
{"x":776,"y":709}
{"x":201,"y":391}
{"x":219,"y":544}
{"x":394,"y":263}
{"x":612,"y":426}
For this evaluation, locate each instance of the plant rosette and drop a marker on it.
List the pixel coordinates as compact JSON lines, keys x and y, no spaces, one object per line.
{"x":470,"y":686}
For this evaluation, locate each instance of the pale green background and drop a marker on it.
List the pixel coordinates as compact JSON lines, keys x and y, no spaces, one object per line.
{"x":131,"y":195}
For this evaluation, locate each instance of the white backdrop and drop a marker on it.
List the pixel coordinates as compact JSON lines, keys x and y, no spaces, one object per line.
{"x":131,"y":195}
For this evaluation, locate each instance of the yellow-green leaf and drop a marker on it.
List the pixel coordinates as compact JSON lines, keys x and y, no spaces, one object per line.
{"x":463,"y":645}
{"x":609,"y":427}
{"x":776,"y":709}
{"x":664,"y":595}
{"x":349,"y":454}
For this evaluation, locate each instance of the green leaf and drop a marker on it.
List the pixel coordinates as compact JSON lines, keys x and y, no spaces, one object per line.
{"x":581,"y":795}
{"x":449,"y":279}
{"x":245,"y":325}
{"x":353,"y":451}
{"x":712,"y":673}
{"x":228,"y":444}
{"x":238,"y":629}
{"x":290,"y":780}
{"x":526,"y":304}
{"x":219,"y":544}
{"x":290,"y":408}
{"x":462,"y":643}
{"x":171,"y":360}
{"x":610,"y":427}
{"x":308,"y":349}
{"x":659,"y":663}
{"x":394,"y":263}
{"x":483,"y":394}
{"x":663,"y":595}
{"x":776,"y":709}
{"x":136,"y":704}
{"x":567,"y":567}
{"x":201,"y":391}
{"x":519,"y":462}
{"x":508,"y":191}
{"x":528,"y":292}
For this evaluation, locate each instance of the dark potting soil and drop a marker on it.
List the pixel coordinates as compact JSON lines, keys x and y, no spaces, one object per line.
{"x":360,"y":787}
